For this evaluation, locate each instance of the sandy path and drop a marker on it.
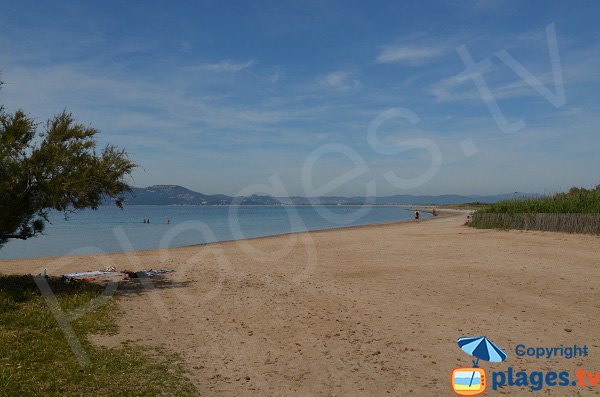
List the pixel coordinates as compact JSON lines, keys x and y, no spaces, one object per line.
{"x":363,"y":311}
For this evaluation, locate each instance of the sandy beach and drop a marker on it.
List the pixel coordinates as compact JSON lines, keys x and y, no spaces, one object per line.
{"x":372,"y":310}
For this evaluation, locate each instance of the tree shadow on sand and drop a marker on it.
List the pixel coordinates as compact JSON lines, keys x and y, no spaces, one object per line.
{"x":19,"y":289}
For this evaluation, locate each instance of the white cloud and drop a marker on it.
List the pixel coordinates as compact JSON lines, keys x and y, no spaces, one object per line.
{"x":226,"y":66}
{"x":339,"y":80}
{"x":410,"y":55}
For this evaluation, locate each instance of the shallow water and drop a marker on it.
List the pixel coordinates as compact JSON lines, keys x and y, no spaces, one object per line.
{"x":110,"y":229}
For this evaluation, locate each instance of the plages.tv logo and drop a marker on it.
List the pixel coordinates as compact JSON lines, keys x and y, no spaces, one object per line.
{"x":472,"y":381}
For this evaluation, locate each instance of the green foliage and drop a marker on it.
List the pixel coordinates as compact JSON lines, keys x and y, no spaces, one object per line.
{"x":576,"y":200}
{"x":59,"y":169}
{"x":36,"y":360}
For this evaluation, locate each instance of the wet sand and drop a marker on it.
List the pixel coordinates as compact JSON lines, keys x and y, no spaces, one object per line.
{"x":372,"y":310}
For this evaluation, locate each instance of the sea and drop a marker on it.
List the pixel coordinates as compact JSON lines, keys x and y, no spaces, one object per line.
{"x":110,"y":229}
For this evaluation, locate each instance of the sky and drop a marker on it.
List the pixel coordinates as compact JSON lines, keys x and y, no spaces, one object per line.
{"x":321,"y":97}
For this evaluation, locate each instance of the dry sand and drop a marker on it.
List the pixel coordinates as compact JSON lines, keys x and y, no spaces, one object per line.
{"x":361,"y":311}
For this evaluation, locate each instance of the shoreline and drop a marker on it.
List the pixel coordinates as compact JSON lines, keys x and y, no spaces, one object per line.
{"x":441,"y":213}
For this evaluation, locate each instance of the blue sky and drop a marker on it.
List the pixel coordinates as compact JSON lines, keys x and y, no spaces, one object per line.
{"x":217,"y":96}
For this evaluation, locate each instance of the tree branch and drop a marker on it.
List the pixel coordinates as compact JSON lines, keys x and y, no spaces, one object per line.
{"x":12,"y":236}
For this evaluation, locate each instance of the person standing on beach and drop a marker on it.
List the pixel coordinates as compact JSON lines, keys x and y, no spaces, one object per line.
{"x":417,"y":215}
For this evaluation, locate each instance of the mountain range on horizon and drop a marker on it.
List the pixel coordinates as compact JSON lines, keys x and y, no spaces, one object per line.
{"x":179,"y":195}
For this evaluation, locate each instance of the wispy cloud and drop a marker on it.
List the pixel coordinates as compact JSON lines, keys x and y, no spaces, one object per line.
{"x":218,"y":114}
{"x":409,"y":55}
{"x":273,"y":77}
{"x":226,"y":66}
{"x":339,"y":80}
{"x":532,"y":52}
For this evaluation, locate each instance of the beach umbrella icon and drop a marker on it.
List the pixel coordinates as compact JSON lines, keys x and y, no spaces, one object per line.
{"x":481,"y":348}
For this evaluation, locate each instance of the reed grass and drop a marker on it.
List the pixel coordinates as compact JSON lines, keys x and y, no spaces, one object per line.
{"x":575,"y":201}
{"x":568,"y":223}
{"x":575,"y":211}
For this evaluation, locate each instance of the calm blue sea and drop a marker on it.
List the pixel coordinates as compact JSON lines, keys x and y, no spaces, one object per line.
{"x":110,"y":229}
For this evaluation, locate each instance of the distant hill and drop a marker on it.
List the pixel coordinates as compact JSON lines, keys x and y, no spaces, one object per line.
{"x":178,"y":195}
{"x":173,"y":195}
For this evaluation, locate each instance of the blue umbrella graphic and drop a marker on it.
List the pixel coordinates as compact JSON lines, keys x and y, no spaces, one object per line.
{"x":483,"y":349}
